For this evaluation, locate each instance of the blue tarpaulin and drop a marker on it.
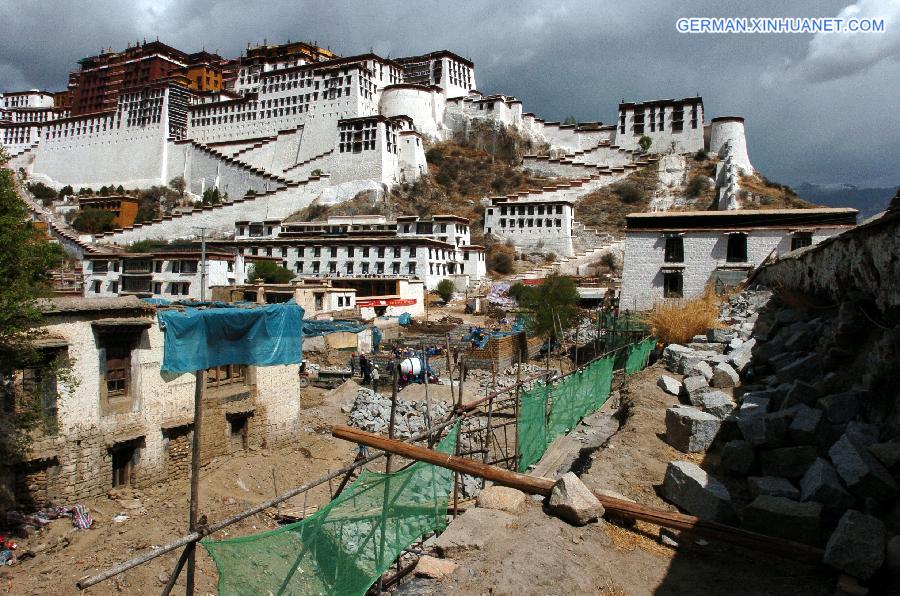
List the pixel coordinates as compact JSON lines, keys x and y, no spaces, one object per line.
{"x":404,"y":319}
{"x":198,"y":339}
{"x":313,"y":328}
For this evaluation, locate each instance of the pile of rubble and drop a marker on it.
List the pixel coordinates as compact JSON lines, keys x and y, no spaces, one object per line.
{"x":506,"y":378}
{"x":372,"y":412}
{"x":772,"y":389}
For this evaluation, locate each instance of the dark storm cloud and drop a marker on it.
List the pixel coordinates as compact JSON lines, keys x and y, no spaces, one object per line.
{"x":817,"y":108}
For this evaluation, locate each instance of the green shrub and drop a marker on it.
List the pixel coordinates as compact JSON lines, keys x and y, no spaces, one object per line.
{"x":93,"y":221}
{"x":445,"y":290}
{"x":630,"y":193}
{"x":500,"y":258}
{"x":645,"y":143}
{"x":701,"y":155}
{"x":697,"y":186}
{"x":270,"y":273}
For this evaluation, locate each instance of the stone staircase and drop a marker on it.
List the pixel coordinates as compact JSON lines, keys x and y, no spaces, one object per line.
{"x":307,"y":162}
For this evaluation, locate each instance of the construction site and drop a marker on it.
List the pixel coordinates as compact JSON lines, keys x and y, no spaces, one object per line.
{"x":462,"y":455}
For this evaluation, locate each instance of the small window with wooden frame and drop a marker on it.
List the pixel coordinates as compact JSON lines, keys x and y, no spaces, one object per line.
{"x":118,"y":395}
{"x":228,"y":375}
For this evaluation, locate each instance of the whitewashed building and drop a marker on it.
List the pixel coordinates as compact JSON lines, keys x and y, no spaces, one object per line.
{"x":665,"y":121}
{"x":676,"y":254}
{"x":533,"y":222}
{"x":428,"y":249}
{"x":126,"y":423}
{"x":172,"y":275}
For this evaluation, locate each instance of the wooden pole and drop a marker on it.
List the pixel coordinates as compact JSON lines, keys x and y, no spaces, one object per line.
{"x":516,"y":410}
{"x":194,"y":512}
{"x":427,"y":398}
{"x":619,"y":507}
{"x":463,"y":369}
{"x":449,"y":368}
{"x":387,"y":463}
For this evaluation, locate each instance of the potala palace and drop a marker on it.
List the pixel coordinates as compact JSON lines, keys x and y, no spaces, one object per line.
{"x":288,"y":125}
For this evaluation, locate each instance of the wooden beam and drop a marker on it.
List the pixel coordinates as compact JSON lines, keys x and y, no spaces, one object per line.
{"x":621,"y":508}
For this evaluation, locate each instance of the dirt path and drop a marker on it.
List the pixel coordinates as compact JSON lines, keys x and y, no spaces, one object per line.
{"x":159,"y":515}
{"x":539,"y":554}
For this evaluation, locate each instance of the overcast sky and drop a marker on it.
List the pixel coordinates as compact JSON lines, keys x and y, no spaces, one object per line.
{"x":823,"y":108}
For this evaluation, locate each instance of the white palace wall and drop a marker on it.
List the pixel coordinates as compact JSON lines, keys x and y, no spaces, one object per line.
{"x":221,"y":218}
{"x":134,"y":157}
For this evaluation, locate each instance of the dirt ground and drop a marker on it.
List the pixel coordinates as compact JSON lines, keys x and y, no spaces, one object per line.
{"x":539,"y":554}
{"x":159,"y":515}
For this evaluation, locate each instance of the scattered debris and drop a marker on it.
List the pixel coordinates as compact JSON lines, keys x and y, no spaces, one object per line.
{"x":573,"y":501}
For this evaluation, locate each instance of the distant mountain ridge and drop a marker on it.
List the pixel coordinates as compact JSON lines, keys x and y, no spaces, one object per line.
{"x":868,"y":201}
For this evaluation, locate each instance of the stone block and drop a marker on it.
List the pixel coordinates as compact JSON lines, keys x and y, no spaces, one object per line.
{"x":690,"y":430}
{"x":701,"y":369}
{"x":805,"y":368}
{"x":716,"y":403}
{"x":673,"y":354}
{"x":789,"y":462}
{"x":822,"y":484}
{"x":773,"y":486}
{"x":787,"y":316}
{"x":801,"y":392}
{"x":691,"y":359}
{"x":740,"y":358}
{"x":572,"y":501}
{"x":710,"y":347}
{"x":840,"y":408}
{"x":692,"y":489}
{"x":698,"y":339}
{"x":864,"y":476}
{"x":720,"y":335}
{"x":725,"y":376}
{"x":886,"y":453}
{"x":694,"y":386}
{"x":502,"y":498}
{"x":472,"y":531}
{"x":807,"y":426}
{"x":857,"y":545}
{"x":763,"y":430}
{"x":861,"y":433}
{"x":434,"y":568}
{"x":784,"y":518}
{"x":738,"y":457}
{"x":669,"y":385}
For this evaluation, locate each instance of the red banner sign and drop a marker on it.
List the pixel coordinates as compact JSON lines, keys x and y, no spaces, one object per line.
{"x":386,"y":302}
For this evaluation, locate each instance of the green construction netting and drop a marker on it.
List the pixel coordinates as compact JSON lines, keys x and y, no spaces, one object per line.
{"x":570,"y":399}
{"x":347,"y":545}
{"x":638,"y":354}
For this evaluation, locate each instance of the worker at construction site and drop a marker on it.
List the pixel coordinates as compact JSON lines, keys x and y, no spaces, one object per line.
{"x":354,"y":364}
{"x":375,"y":376}
{"x":365,"y":369}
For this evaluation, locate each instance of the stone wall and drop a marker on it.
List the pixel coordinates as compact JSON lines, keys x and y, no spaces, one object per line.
{"x":76,"y":463}
{"x":863,"y":260}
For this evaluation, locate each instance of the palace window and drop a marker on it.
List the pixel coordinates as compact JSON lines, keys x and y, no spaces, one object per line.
{"x":801,"y":240}
{"x":674,"y":249}
{"x":673,"y":282}
{"x":737,"y":248}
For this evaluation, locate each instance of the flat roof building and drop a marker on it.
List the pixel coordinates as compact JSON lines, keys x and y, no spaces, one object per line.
{"x":675,"y":255}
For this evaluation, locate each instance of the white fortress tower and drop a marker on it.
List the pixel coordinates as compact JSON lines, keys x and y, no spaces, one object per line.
{"x":730,"y":129}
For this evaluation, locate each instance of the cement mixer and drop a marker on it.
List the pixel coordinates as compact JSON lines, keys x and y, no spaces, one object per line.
{"x":411,"y":367}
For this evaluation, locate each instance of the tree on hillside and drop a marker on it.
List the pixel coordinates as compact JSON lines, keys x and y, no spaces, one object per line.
{"x":270,"y":273}
{"x":211,"y":196}
{"x":26,"y":257}
{"x":93,"y":221}
{"x":66,"y":191}
{"x":178,"y":185}
{"x":501,"y":258}
{"x":645,"y":143}
{"x":445,"y":290}
{"x":553,"y":306}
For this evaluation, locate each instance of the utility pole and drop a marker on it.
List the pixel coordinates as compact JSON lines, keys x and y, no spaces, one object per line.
{"x":202,"y":263}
